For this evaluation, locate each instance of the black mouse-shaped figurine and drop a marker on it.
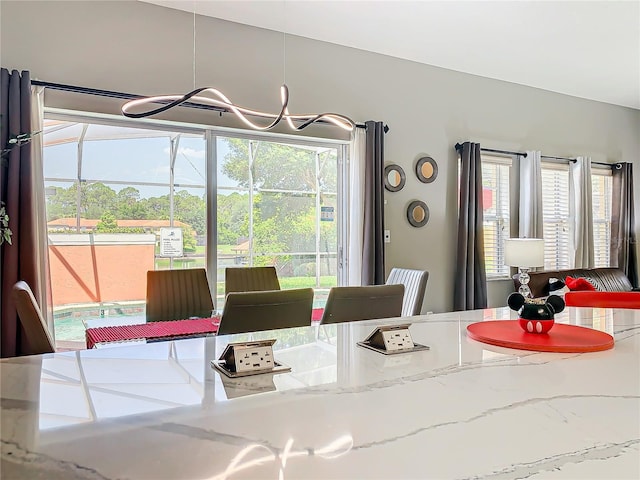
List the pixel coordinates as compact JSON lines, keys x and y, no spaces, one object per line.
{"x":535,"y":315}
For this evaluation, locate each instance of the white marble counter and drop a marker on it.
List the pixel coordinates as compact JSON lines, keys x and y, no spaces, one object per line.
{"x":461,"y":410}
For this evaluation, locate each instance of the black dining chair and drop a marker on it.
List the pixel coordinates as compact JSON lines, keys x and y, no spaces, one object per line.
{"x":346,"y":304}
{"x":268,"y":310}
{"x":38,"y":338}
{"x":250,"y":279}
{"x":178,"y":294}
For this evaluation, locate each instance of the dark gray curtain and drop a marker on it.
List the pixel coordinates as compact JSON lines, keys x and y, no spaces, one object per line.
{"x":623,"y":236}
{"x":373,"y":244}
{"x":470,"y":290}
{"x":16,"y":191}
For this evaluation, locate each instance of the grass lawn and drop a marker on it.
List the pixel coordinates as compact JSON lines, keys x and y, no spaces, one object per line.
{"x":287,"y":283}
{"x":163,"y":263}
{"x":304,"y":282}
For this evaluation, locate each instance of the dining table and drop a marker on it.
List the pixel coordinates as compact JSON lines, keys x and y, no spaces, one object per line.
{"x":457,"y":409}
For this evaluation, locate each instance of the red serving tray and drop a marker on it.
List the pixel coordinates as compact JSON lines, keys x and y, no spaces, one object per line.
{"x":561,"y":338}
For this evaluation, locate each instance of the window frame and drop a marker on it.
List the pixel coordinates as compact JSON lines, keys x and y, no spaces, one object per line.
{"x":514,"y":201}
{"x":508,"y":161}
{"x":558,"y":219}
{"x":210,"y":134}
{"x":603,"y":171}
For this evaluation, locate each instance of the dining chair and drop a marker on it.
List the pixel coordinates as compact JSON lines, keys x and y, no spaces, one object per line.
{"x":178,"y":294}
{"x":267,"y":310}
{"x":415,"y":286}
{"x":250,"y":279}
{"x":38,"y":337}
{"x":346,"y":304}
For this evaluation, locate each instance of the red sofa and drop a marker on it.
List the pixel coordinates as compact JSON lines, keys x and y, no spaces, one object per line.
{"x":603,"y":299}
{"x":604,"y":279}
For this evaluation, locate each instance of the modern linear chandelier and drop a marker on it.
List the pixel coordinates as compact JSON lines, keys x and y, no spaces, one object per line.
{"x":214,"y":97}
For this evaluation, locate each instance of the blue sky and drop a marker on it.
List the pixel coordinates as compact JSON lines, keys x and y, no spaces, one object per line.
{"x":135,"y":160}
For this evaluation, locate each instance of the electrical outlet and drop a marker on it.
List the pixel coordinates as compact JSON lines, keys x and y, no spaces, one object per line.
{"x":254,"y":358}
{"x":397,"y":339}
{"x":387,"y":236}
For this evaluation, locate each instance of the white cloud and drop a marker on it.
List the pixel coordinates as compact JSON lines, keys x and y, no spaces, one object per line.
{"x":188,"y":152}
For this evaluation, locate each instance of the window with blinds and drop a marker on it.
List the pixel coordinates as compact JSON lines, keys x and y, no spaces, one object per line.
{"x":495,"y":197}
{"x":555,"y":209}
{"x":601,"y":197}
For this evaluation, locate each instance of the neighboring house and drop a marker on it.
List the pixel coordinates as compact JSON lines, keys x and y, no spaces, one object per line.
{"x":89,"y":224}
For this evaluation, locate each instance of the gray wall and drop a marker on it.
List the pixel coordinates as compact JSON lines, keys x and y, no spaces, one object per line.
{"x":141,"y":48}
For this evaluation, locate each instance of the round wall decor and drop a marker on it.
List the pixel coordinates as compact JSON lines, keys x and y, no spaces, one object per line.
{"x":418,"y":213}
{"x":426,"y":169}
{"x":394,"y":178}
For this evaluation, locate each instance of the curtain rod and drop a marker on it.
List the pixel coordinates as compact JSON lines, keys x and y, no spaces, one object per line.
{"x":130,"y":96}
{"x":553,"y":157}
{"x":491,"y":150}
{"x":617,"y":166}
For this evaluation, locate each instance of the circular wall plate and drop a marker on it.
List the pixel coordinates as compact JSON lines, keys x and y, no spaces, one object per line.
{"x":426,"y":169}
{"x":394,"y":178}
{"x":418,"y":213}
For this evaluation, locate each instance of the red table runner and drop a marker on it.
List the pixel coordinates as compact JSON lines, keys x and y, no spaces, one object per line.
{"x":173,"y":328}
{"x":168,"y":329}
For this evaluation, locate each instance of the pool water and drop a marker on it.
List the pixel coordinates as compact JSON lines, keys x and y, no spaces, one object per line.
{"x":71,"y":326}
{"x":72,"y":329}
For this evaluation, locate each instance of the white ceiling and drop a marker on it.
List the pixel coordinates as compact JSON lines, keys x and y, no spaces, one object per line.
{"x":588,"y":49}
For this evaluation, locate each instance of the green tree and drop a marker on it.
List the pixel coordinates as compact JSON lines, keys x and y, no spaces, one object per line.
{"x":192,"y":210}
{"x":62,"y":202}
{"x":282,"y":221}
{"x":157,"y":207}
{"x":188,"y":240}
{"x":128,"y":205}
{"x":233,"y":218}
{"x":95,"y":199}
{"x":279,"y":166}
{"x":107,"y":223}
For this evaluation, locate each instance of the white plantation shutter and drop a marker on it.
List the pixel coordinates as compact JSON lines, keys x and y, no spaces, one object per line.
{"x":495,"y":185}
{"x":555,"y":207}
{"x":601,"y":195}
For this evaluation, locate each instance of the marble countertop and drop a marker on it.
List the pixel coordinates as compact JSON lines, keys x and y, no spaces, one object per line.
{"x":461,"y":410}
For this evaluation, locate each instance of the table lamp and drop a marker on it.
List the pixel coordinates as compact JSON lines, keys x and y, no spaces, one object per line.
{"x":524,"y":253}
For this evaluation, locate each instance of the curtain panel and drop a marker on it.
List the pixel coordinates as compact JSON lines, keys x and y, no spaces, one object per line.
{"x":373,"y":237}
{"x":623,"y":237}
{"x":22,"y":191}
{"x":530,"y":204}
{"x":530,"y":215}
{"x":470,"y":289}
{"x":581,"y":212}
{"x":356,"y":207}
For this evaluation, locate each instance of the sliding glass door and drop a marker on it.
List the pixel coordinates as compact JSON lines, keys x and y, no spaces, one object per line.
{"x":278,"y":205}
{"x":123,"y":199}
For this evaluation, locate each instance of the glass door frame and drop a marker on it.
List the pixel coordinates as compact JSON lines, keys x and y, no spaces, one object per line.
{"x":210,"y":135}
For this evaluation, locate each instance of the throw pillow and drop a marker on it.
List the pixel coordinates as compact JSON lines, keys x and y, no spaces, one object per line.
{"x":557,"y":287}
{"x":579,"y":284}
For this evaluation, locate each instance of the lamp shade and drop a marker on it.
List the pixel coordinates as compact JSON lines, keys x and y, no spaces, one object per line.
{"x":524,"y":252}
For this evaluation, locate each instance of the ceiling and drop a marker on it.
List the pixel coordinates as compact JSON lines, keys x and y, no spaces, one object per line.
{"x":587,"y":49}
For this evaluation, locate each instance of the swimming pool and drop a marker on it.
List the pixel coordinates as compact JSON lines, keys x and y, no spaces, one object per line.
{"x":70,"y":322}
